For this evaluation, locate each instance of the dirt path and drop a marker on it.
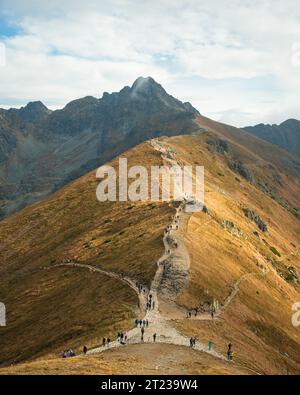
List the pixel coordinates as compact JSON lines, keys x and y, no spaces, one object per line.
{"x":207,"y":316}
{"x":158,"y":324}
{"x":132,"y":284}
{"x":171,"y":277}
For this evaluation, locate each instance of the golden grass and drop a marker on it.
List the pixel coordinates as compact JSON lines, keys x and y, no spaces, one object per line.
{"x":134,"y":359}
{"x":258,"y":320}
{"x":52,"y":309}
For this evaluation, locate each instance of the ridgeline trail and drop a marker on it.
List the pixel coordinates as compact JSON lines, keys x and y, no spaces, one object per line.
{"x":175,"y":259}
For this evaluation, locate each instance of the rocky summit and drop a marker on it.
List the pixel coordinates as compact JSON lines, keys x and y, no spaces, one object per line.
{"x":41,"y":150}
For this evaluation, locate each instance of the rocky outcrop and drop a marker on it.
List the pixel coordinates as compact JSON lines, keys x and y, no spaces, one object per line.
{"x":231,"y":228}
{"x":256,"y":218}
{"x":218,"y":145}
{"x":241,"y":169}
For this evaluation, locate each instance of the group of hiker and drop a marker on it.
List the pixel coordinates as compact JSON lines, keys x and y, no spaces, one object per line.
{"x":122,"y":337}
{"x":68,"y":353}
{"x":143,"y":332}
{"x":105,"y":341}
{"x":189,"y":314}
{"x":193,"y":342}
{"x":212,"y":313}
{"x":141,"y":288}
{"x":150,"y":303}
{"x":141,"y":323}
{"x":210,"y":346}
{"x":170,"y":227}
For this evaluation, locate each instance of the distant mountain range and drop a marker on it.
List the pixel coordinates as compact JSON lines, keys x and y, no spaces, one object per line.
{"x":41,"y":150}
{"x":286,"y":135}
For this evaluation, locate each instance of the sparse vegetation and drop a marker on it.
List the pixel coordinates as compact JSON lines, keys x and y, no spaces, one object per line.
{"x":273,"y":249}
{"x":241,"y":169}
{"x":256,"y":218}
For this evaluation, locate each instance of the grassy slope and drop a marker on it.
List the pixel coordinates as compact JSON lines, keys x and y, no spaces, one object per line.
{"x":135,"y":359}
{"x":258,"y":320}
{"x":275,"y":171}
{"x":50,"y":310}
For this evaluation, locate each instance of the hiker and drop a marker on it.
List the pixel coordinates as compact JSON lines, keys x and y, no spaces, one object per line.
{"x":103,"y":341}
{"x":150,"y":296}
{"x":144,"y":323}
{"x":141,"y":322}
{"x":108,"y":342}
{"x":142,"y":334}
{"x":147,"y":323}
{"x":85,"y":350}
{"x":191,"y":342}
{"x":229,"y":352}
{"x":153,"y":304}
{"x":154,"y":337}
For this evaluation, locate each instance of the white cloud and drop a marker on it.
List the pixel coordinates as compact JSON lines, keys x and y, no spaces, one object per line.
{"x":230,"y":59}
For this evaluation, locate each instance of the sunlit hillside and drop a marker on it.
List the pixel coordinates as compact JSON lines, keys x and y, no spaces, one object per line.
{"x":242,"y":255}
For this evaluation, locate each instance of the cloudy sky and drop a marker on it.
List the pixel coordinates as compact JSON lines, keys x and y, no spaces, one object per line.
{"x":237,"y":61}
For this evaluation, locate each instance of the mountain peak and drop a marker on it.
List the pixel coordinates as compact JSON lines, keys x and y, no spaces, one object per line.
{"x":35,"y":106}
{"x":146,"y":88}
{"x":33,"y":111}
{"x":145,"y":84}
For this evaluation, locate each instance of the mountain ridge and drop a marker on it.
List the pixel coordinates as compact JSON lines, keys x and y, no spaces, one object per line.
{"x":251,"y":270}
{"x":42,"y":150}
{"x":285,"y":135}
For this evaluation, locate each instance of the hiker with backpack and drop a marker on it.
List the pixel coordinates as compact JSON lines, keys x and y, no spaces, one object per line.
{"x":229,"y":352}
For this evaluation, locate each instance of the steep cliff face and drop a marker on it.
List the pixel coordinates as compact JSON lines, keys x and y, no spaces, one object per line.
{"x":41,"y":150}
